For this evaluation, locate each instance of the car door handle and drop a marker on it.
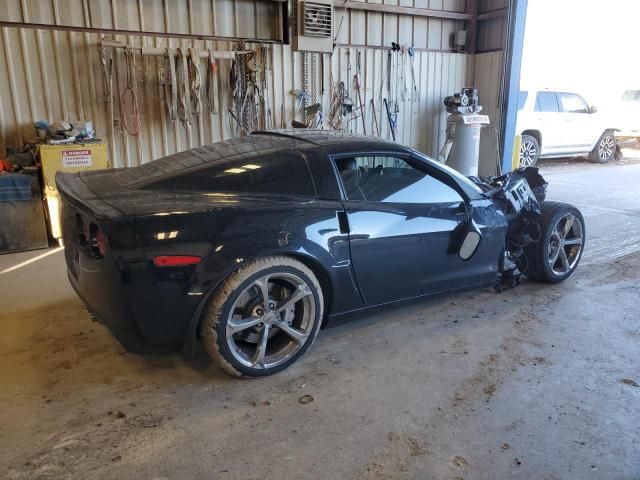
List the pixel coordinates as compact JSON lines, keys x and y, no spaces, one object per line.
{"x":343,"y":222}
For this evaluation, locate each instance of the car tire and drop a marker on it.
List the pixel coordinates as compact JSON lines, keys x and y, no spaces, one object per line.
{"x":529,"y":151}
{"x":605,"y":148}
{"x":546,"y":260}
{"x":282,"y":332}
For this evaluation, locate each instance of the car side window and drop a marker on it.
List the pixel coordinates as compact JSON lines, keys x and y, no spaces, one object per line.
{"x":547,"y":102}
{"x":389,"y":179}
{"x":284,"y":173}
{"x":572,"y":103}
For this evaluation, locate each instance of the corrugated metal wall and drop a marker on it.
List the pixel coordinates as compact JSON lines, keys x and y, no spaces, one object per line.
{"x":488,"y":70}
{"x":50,"y":74}
{"x":493,"y":30}
{"x":222,"y":18}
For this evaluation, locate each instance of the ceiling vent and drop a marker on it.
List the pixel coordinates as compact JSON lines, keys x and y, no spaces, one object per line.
{"x":314,"y":26}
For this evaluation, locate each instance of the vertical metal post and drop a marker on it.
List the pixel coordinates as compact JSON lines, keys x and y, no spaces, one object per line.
{"x":511,"y":83}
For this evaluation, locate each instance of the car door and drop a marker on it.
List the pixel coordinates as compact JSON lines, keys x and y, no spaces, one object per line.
{"x":580,"y":129}
{"x":550,"y":121}
{"x":401,"y":221}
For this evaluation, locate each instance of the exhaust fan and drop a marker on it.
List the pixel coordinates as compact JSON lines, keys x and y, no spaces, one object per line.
{"x":313,"y":28}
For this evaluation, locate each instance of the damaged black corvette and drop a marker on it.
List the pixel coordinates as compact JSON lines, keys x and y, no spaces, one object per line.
{"x":252,"y":245}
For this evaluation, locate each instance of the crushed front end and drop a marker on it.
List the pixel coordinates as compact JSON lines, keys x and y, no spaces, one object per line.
{"x":518,"y":194}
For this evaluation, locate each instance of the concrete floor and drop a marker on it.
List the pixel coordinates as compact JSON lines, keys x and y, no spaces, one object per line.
{"x":525,"y":384}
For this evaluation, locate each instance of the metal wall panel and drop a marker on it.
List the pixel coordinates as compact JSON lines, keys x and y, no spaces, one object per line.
{"x":488,"y":71}
{"x":51,"y":74}
{"x":491,"y":35}
{"x":380,"y":29}
{"x":224,"y":18}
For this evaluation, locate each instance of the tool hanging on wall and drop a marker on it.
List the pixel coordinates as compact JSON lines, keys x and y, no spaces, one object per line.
{"x":312,"y":110}
{"x":242,"y":80}
{"x":403,"y":73}
{"x":212,"y":84}
{"x":195,"y":82}
{"x":106,"y":65}
{"x":356,"y":85}
{"x":265,"y":108}
{"x":182,"y":81}
{"x":170,"y":85}
{"x":130,"y":110}
{"x":389,"y":57}
{"x":412,"y":54}
{"x":392,"y":105}
{"x":375,"y":118}
{"x":392,"y":122}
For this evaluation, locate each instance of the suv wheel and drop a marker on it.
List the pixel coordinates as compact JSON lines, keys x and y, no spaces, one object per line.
{"x":529,"y":151}
{"x":605,"y":149}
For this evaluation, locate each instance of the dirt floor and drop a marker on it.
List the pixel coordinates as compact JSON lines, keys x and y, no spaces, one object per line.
{"x":540,"y":382}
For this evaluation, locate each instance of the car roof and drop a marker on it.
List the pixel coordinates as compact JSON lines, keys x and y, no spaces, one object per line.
{"x":255,"y":145}
{"x":333,"y":141}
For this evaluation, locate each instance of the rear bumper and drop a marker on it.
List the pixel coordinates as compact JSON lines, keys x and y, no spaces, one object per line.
{"x":119,"y":321}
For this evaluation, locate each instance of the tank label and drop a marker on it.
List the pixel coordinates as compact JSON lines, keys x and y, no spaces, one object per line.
{"x":469,"y":119}
{"x":76,"y":158}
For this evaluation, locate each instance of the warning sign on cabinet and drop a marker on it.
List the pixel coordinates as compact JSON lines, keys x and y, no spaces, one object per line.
{"x":76,"y":158}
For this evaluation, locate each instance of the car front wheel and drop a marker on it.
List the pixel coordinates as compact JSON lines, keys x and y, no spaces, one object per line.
{"x":555,"y":256}
{"x":605,"y":149}
{"x":529,"y":151}
{"x":263,"y":317}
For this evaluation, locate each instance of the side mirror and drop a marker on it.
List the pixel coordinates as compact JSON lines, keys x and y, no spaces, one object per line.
{"x":470,"y":241}
{"x":593,"y":109}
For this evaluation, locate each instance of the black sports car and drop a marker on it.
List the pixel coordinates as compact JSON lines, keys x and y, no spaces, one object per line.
{"x":253,"y":244}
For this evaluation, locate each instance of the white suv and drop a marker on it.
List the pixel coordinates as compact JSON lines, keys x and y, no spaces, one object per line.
{"x":561,"y":124}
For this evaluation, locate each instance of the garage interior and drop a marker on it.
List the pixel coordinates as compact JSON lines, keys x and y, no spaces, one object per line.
{"x":535,"y":382}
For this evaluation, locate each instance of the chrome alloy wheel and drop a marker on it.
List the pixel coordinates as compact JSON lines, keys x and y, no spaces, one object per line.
{"x":565,"y":244}
{"x":271,"y":320}
{"x":528,"y":153}
{"x":606,"y":147}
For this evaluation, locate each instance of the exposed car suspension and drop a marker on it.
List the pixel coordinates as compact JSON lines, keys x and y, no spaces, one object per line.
{"x":519,"y":194}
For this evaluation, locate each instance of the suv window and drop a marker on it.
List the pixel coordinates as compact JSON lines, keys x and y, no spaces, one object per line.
{"x":522,"y":99}
{"x":631,"y":96}
{"x":391,"y":179}
{"x":284,"y":173}
{"x":572,"y":103}
{"x":546,"y":102}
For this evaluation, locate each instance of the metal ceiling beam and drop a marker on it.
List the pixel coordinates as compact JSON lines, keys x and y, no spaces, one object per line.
{"x":113,"y":31}
{"x":412,"y":11}
{"x":472,"y":26}
{"x":498,"y":13}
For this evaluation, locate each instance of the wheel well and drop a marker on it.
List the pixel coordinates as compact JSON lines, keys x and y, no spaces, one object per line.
{"x":193,"y":330}
{"x":322,"y":277}
{"x":535,"y":134}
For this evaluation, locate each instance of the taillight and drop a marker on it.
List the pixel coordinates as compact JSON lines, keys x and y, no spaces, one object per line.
{"x":98,"y":242}
{"x":176,"y":260}
{"x":81,"y":231}
{"x":101,"y":243}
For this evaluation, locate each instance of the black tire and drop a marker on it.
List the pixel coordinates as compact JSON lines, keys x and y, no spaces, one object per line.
{"x":540,"y":254}
{"x":605,"y":148}
{"x":529,"y":151}
{"x":216,"y":315}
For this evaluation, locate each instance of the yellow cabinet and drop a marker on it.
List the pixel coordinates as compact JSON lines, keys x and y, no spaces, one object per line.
{"x":67,"y":158}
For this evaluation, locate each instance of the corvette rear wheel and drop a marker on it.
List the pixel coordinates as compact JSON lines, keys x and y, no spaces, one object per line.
{"x":556,"y":255}
{"x":264,"y":317}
